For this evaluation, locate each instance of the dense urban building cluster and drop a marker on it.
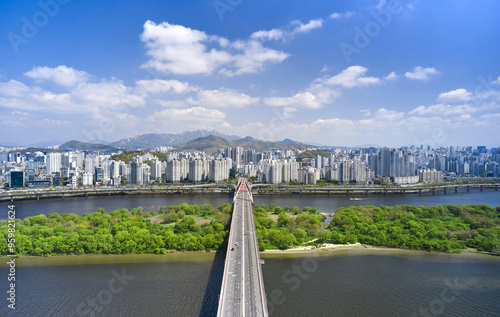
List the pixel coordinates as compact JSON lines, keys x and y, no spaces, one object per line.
{"x":405,"y":165}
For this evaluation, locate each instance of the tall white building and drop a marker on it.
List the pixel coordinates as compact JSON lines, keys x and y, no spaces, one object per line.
{"x":53,"y":163}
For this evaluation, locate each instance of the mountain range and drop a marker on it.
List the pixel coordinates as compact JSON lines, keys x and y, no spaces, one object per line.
{"x":200,"y":140}
{"x":152,"y":140}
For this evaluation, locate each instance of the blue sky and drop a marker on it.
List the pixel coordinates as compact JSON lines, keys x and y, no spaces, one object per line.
{"x":340,"y":73}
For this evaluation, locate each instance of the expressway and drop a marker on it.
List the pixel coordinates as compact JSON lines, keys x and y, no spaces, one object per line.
{"x":242,"y":292}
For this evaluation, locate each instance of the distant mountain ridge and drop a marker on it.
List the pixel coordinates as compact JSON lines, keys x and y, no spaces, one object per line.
{"x":74,"y":145}
{"x":152,"y":140}
{"x":211,"y":143}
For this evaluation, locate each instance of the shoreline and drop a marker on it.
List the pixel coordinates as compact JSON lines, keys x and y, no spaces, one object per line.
{"x":204,"y":256}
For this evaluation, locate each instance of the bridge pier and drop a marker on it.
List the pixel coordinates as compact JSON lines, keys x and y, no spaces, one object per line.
{"x":38,"y":197}
{"x":433,"y":191}
{"x":481,"y":188}
{"x":385,"y":191}
{"x":109,"y":193}
{"x":496,"y":187}
{"x":456,"y":189}
{"x":444,"y":189}
{"x":403,"y":191}
{"x":62,"y":195}
{"x":420,"y":191}
{"x":468,"y":188}
{"x":366,"y":192}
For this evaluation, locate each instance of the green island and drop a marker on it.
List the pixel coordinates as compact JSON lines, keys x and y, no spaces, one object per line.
{"x":448,"y":228}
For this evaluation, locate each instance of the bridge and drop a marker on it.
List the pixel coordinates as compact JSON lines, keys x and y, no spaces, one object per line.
{"x":269,"y":189}
{"x":109,"y":191}
{"x":242,"y":292}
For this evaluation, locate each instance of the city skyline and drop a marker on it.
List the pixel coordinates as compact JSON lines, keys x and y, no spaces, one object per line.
{"x":388,"y":73}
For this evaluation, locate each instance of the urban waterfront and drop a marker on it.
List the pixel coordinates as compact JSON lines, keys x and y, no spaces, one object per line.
{"x":338,"y":283}
{"x":324,"y":204}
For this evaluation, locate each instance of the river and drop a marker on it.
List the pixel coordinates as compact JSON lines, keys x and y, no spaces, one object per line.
{"x":334,"y":283}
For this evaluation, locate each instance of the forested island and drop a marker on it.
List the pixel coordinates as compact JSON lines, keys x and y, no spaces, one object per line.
{"x":186,"y":227}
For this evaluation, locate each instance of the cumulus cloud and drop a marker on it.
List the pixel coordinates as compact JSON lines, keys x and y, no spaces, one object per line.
{"x":497,"y":81}
{"x":337,"y":15}
{"x":421,"y":73}
{"x":160,"y":86}
{"x":181,"y":50}
{"x":222,"y":98}
{"x":271,"y":35}
{"x":301,"y":100}
{"x":351,"y":77}
{"x":444,"y":109}
{"x":388,"y":115}
{"x":455,"y":95}
{"x":61,"y":75}
{"x":391,"y":76}
{"x":304,"y":28}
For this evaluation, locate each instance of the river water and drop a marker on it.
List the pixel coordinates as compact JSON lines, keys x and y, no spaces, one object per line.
{"x":369,"y":282}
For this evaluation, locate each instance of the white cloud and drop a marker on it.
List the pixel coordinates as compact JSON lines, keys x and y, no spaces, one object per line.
{"x":495,"y":116}
{"x":497,"y":81}
{"x":61,"y":75}
{"x":254,"y":58}
{"x":391,"y":76}
{"x":180,"y":50}
{"x":106,"y":94}
{"x":171,"y":103}
{"x":455,"y":95}
{"x":159,"y":86}
{"x":13,"y":88}
{"x":222,"y":98}
{"x":388,"y":115}
{"x":271,"y":35}
{"x":301,"y":100}
{"x":420,"y":73}
{"x":288,"y":112}
{"x":337,"y":15}
{"x":443,"y":109}
{"x":366,"y":112}
{"x":351,"y":77}
{"x":304,"y":28}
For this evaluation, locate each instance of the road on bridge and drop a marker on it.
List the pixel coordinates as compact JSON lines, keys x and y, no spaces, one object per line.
{"x":242,"y":292}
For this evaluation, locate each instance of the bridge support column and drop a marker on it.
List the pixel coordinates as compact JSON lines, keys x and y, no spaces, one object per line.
{"x":37,"y":197}
{"x":496,"y":187}
{"x":62,"y":195}
{"x":481,"y":188}
{"x":109,"y":193}
{"x":468,"y":188}
{"x":403,"y":192}
{"x":385,"y":191}
{"x":444,"y":189}
{"x":433,"y":191}
{"x":420,"y":191}
{"x":456,"y":189}
{"x":366,"y":192}
{"x":86,"y":194}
